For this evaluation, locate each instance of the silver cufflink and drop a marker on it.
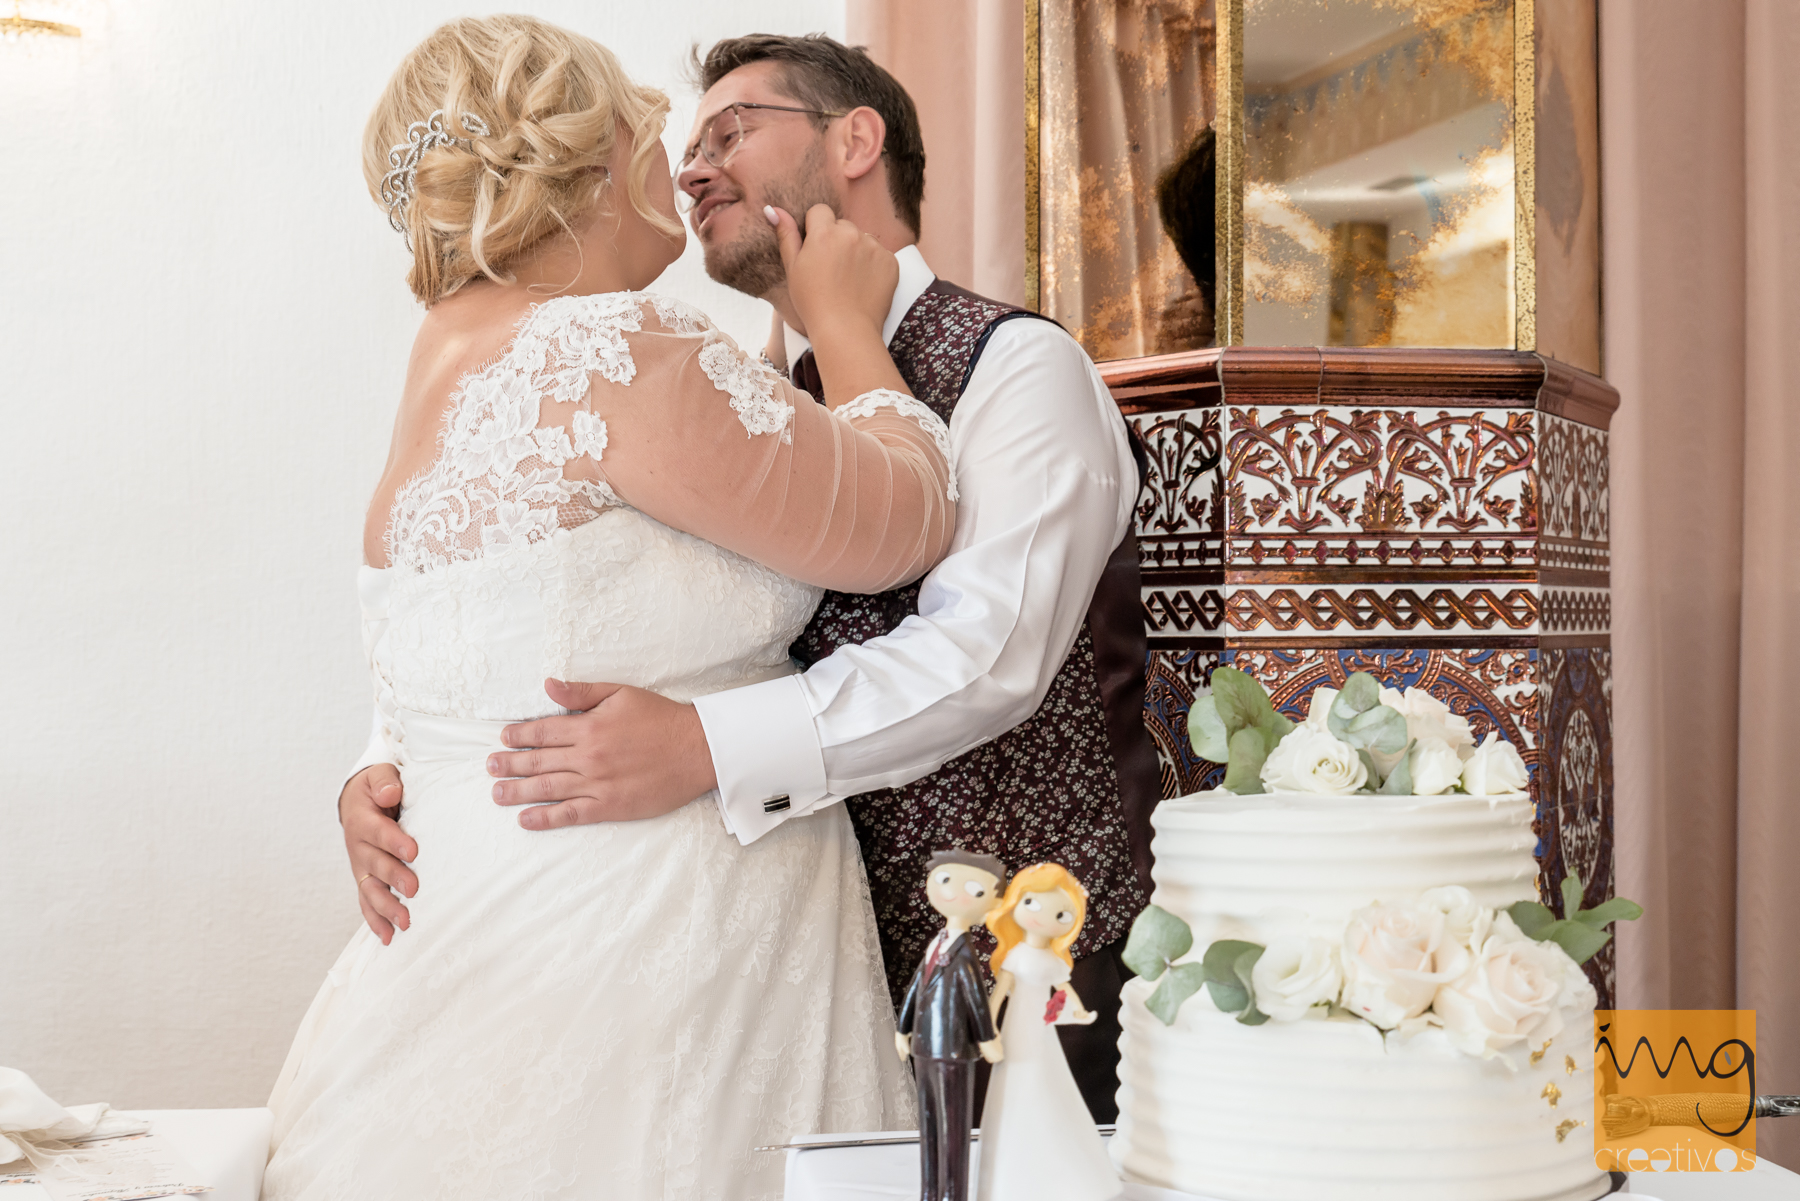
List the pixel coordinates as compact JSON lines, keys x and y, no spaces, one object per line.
{"x":776,"y":804}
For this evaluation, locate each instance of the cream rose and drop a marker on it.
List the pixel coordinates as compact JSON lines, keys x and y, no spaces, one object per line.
{"x":1309,"y":760}
{"x":1428,"y":717}
{"x":1390,"y":958}
{"x":1495,"y":769}
{"x":1436,"y":768}
{"x":1319,"y":710}
{"x":1467,"y":924}
{"x":1294,"y":974}
{"x":1511,"y":996}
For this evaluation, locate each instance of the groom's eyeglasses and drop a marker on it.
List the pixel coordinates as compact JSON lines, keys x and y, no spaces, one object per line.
{"x":724,"y":131}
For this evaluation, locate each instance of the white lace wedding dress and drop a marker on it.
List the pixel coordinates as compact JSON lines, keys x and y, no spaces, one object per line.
{"x":623,"y":1010}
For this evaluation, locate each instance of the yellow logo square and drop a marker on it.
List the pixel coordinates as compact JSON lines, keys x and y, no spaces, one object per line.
{"x":1674,"y":1090}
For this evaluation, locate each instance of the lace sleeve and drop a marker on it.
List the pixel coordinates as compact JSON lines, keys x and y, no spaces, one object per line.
{"x":706,"y":439}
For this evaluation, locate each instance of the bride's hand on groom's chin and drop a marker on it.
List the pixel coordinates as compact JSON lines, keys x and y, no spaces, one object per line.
{"x":630,"y":754}
{"x":836,"y":273}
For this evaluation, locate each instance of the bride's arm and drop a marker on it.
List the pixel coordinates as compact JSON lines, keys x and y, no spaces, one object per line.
{"x":857,"y":496}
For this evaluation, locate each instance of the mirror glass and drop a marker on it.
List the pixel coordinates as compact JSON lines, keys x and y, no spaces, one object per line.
{"x":1378,"y":191}
{"x":1126,"y":173}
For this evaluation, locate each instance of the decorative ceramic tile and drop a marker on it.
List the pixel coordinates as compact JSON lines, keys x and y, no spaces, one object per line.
{"x":1175,"y":610}
{"x":1264,"y":610}
{"x":1575,"y":792}
{"x":1461,"y":473}
{"x":1577,"y":611}
{"x":1573,"y":481}
{"x":1401,"y":550}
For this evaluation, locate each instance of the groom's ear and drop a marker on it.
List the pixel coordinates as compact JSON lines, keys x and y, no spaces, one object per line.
{"x":860,"y":139}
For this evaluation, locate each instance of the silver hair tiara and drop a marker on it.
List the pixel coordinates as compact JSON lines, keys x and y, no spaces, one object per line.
{"x":403,"y":161}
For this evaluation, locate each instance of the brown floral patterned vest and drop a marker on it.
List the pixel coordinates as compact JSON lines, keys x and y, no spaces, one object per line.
{"x":1075,"y":782}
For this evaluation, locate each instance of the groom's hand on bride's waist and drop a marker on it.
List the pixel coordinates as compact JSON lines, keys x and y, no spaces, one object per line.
{"x":629,"y":754}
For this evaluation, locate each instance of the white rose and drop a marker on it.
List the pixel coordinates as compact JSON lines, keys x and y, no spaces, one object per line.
{"x":1390,"y":957}
{"x":1294,"y":974}
{"x":1511,"y":996}
{"x":1310,"y":760}
{"x":1319,"y":710}
{"x":1435,"y":767}
{"x":1495,"y":769}
{"x":1428,"y":717}
{"x":1467,"y":923}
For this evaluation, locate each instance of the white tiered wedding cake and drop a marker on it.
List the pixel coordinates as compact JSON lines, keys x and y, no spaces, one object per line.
{"x":1340,"y":994}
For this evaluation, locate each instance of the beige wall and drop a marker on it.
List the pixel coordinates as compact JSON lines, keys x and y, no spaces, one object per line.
{"x":205,"y":325}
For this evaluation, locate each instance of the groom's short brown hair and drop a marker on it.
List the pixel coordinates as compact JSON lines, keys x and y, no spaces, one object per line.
{"x":823,"y":73}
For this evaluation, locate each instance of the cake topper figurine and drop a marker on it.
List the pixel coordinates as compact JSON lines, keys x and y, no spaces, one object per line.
{"x":945,"y":1025}
{"x":1038,"y":1140}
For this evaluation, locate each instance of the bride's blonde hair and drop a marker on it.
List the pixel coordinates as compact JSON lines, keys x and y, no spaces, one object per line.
{"x":529,"y":110}
{"x":1039,"y":877}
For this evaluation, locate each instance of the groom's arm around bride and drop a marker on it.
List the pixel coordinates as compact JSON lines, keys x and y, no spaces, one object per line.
{"x":995,"y":705}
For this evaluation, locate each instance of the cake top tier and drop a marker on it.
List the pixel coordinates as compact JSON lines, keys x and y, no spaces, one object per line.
{"x":1243,"y":866}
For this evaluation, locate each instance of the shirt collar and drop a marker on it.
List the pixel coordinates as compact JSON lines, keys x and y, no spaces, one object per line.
{"x":915,"y":276}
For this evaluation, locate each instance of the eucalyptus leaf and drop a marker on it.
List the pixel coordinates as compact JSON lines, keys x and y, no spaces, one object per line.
{"x":1368,"y":763}
{"x":1572,"y":892}
{"x":1241,"y":701}
{"x":1230,"y":997}
{"x":1361,"y":692}
{"x":1249,"y":749}
{"x":1274,"y":727}
{"x":1158,"y":938}
{"x":1243,"y":965}
{"x":1206,"y":731}
{"x":1182,"y":981}
{"x":1253,"y":1016}
{"x":1222,"y":956}
{"x":1618,"y":909}
{"x":1399,"y":781}
{"x":1531,"y":917}
{"x":1582,"y":942}
{"x":1380,"y":729}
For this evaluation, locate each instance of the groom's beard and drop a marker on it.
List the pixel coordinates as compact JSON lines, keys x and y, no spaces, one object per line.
{"x":752,"y":262}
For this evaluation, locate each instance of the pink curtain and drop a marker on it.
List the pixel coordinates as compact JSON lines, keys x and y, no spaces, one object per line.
{"x":1701,"y":204}
{"x":964,"y":63}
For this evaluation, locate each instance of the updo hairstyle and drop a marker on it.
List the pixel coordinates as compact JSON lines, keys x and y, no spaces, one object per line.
{"x":553,"y":103}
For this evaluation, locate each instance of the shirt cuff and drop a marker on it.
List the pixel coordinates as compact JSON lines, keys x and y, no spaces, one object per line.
{"x":765,"y":753}
{"x":376,"y":752}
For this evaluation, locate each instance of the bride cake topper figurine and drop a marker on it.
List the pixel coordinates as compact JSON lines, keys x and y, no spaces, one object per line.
{"x":1038,"y":1141}
{"x":945,"y":1024}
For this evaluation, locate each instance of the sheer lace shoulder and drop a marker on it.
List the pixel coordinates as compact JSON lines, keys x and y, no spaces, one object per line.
{"x":632,"y":398}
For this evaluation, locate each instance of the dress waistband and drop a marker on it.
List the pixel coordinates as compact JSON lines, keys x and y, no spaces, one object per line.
{"x":428,"y":738}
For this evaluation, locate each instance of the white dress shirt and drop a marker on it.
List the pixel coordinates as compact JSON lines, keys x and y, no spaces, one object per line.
{"x":1047,"y":486}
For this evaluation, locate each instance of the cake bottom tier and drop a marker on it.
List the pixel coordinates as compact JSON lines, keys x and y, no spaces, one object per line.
{"x":1295,"y":1111}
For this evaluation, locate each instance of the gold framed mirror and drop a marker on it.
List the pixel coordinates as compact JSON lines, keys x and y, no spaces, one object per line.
{"x":1314,"y":173}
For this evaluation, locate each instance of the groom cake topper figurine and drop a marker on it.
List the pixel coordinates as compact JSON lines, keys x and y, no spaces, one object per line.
{"x":944,"y":1021}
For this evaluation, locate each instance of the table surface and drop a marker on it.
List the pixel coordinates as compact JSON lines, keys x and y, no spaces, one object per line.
{"x":891,"y":1173}
{"x":228,"y":1147}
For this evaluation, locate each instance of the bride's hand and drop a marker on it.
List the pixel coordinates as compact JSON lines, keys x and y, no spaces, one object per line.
{"x":836,"y":273}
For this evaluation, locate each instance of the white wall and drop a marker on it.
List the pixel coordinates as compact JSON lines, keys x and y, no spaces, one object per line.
{"x":204,"y":321}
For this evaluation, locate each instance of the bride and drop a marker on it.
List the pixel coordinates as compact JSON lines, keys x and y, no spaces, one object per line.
{"x":591,"y":482}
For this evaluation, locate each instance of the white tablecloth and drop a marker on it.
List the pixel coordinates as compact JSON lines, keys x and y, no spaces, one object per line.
{"x":228,"y":1147}
{"x":891,"y":1173}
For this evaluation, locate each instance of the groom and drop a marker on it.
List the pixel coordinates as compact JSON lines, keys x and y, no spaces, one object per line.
{"x":994,"y":706}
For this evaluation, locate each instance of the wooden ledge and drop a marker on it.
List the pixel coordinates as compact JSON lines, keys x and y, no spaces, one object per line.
{"x":1309,"y":375}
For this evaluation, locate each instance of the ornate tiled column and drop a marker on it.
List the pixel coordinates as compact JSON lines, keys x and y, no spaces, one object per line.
{"x":1435,"y":517}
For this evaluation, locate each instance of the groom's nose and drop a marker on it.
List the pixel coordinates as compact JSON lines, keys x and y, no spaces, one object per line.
{"x":694,"y":178}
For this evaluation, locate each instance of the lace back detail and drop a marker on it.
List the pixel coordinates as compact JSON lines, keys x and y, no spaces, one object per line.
{"x":512,"y":470}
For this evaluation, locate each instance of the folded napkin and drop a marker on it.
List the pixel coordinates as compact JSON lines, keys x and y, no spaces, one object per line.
{"x":29,"y":1119}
